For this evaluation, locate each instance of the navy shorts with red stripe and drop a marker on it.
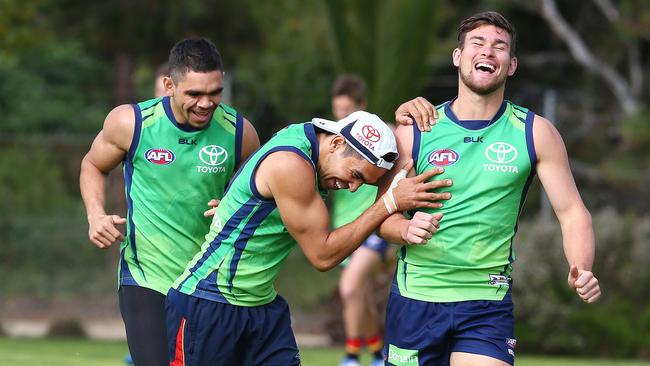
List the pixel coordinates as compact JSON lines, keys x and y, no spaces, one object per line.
{"x":205,"y":332}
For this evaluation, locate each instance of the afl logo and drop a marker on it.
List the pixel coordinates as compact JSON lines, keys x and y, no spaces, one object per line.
{"x":501,"y":152}
{"x":443,"y":157}
{"x":370,"y":133}
{"x":213,"y":155}
{"x":160,"y":156}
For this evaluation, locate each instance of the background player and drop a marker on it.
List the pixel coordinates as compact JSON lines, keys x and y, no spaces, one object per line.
{"x":361,"y":314}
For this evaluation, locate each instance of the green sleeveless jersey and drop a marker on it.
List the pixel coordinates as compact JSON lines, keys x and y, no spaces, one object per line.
{"x":247,"y":242}
{"x":491,"y":164}
{"x":347,"y":206}
{"x":170,"y":172}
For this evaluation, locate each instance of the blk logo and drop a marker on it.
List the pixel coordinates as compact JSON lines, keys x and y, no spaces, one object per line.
{"x":370,"y":133}
{"x":159,"y":156}
{"x":443,"y":157}
{"x":186,"y":142}
{"x":469,"y":140}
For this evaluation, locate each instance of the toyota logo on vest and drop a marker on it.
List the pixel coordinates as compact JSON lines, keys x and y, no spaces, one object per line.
{"x":213,"y":155}
{"x":501,"y":152}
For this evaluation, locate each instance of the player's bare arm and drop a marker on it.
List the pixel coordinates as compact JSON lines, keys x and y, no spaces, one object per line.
{"x":250,"y":143}
{"x":305,"y":215}
{"x":421,"y":110}
{"x":419,"y":229}
{"x":577,"y":231}
{"x":107,"y":151}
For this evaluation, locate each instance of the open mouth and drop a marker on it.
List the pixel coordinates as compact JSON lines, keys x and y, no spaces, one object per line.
{"x":485,"y":67}
{"x":339,"y":185}
{"x":203,"y":115}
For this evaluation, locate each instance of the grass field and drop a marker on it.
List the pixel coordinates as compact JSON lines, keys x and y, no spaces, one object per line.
{"x":72,"y":352}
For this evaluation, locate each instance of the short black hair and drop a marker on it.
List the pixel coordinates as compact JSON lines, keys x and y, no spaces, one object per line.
{"x":193,"y":54}
{"x":490,"y":18}
{"x":350,"y":85}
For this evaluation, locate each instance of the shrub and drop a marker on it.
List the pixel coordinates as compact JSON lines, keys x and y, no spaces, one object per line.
{"x":69,"y":328}
{"x":552,"y":319}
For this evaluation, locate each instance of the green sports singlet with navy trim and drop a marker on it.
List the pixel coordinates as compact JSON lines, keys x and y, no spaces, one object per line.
{"x":170,"y":172}
{"x":248,"y":241}
{"x":491,"y":164}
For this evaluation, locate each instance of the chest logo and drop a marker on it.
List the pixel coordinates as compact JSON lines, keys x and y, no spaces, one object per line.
{"x":443,"y":157}
{"x":213,"y":155}
{"x":159,"y":156}
{"x":501,"y":153}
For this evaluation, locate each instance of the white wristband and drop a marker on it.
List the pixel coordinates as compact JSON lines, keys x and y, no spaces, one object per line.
{"x":399,"y":176}
{"x":388,"y":208}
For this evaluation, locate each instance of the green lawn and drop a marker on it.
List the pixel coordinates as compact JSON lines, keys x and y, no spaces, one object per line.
{"x":68,"y":352}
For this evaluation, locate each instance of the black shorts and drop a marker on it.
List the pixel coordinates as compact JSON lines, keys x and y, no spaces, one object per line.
{"x":143,"y":312}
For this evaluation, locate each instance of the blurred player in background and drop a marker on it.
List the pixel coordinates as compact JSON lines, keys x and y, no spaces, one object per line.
{"x":362,"y":316}
{"x":178,"y":154}
{"x":159,"y":83}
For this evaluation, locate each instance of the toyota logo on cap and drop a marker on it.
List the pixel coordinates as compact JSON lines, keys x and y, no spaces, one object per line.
{"x":370,"y":133}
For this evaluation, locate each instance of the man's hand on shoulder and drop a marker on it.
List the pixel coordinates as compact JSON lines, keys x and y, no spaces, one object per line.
{"x":419,"y":110}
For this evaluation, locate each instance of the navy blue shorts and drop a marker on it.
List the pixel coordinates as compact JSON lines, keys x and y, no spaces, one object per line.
{"x":376,"y":243}
{"x":426,"y":333}
{"x":205,"y":332}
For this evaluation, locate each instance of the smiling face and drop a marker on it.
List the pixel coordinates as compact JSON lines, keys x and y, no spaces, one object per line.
{"x":341,"y":169}
{"x":484,"y":59}
{"x":195,"y":96}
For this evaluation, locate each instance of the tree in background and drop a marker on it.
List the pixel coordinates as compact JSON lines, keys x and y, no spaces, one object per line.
{"x":388,"y":43}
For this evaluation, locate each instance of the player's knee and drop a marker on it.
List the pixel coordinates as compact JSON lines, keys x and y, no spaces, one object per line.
{"x":350,"y":292}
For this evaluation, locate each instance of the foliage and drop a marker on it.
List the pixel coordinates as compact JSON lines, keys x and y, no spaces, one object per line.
{"x":42,"y":230}
{"x":552,"y":320}
{"x":289,"y":80}
{"x":52,"y":88}
{"x":379,"y":40}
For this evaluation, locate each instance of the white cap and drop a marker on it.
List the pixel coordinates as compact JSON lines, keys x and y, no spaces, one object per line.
{"x":367,"y":134}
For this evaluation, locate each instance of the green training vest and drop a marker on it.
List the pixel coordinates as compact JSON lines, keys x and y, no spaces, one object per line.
{"x":171,"y":171}
{"x":491,"y":164}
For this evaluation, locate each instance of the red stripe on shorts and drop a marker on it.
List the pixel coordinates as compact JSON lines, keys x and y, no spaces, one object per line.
{"x":179,"y":357}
